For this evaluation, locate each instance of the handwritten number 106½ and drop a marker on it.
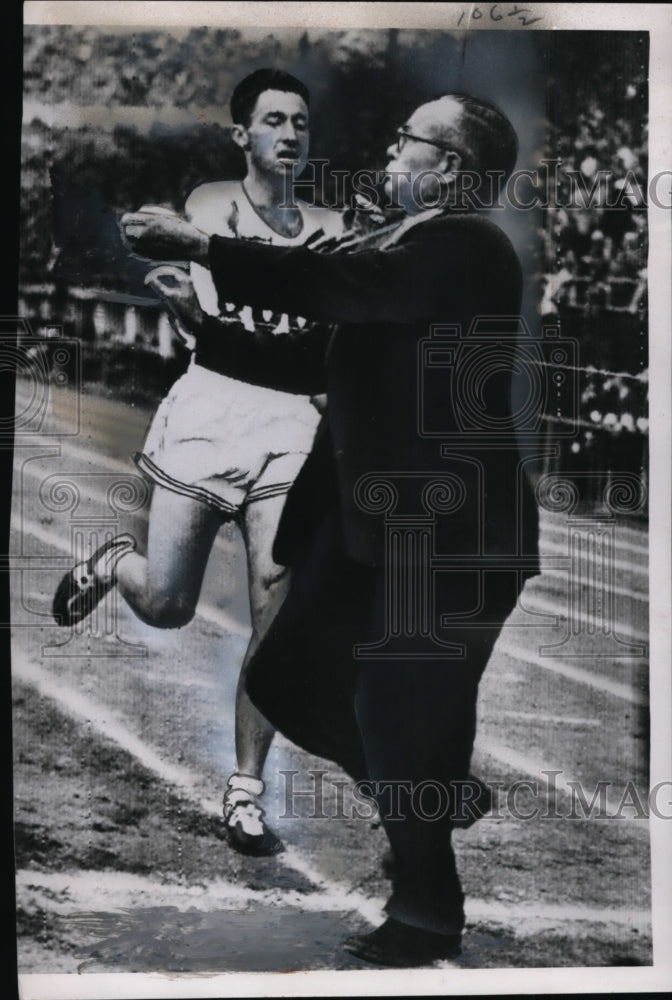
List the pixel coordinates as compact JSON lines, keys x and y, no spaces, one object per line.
{"x":496,"y":12}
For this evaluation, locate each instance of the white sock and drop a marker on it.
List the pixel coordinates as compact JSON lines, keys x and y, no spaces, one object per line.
{"x":246,"y":783}
{"x":105,"y":568}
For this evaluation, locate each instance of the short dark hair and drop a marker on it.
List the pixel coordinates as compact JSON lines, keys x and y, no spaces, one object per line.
{"x":488,"y":138}
{"x":245,"y":94}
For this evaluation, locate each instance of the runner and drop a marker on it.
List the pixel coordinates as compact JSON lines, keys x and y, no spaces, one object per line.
{"x":219,"y":449}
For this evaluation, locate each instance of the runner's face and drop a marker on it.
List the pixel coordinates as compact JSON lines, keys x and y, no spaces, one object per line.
{"x":278,"y":133}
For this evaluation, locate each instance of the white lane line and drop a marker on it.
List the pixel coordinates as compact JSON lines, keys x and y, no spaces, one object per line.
{"x":556,"y":666}
{"x":561,"y":720}
{"x":635,"y":569}
{"x":547,"y":538}
{"x":556,"y":783}
{"x":121,"y":890}
{"x":529,"y":918}
{"x":519,"y":763}
{"x":341,"y":897}
{"x":533,"y":602}
{"x":225,"y":621}
{"x":84,"y":709}
{"x":73,"y":703}
{"x":554,"y":523}
{"x":69,"y":896}
{"x":42,"y":535}
{"x":565,"y":576}
{"x":82,"y":451}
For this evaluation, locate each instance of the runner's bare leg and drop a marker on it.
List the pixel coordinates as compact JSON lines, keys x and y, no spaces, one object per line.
{"x":163,"y":587}
{"x":268,"y":583}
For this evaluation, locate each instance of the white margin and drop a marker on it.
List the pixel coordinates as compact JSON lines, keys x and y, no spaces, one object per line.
{"x":657,"y":18}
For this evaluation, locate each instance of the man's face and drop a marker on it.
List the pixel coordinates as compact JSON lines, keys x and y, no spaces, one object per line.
{"x":412,"y":180}
{"x":276,"y":140}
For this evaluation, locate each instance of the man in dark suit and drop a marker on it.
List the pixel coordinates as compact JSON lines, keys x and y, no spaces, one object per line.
{"x":412,"y":527}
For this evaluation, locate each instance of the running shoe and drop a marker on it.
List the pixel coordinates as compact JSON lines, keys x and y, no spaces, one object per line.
{"x":85,"y":585}
{"x":244,"y":823}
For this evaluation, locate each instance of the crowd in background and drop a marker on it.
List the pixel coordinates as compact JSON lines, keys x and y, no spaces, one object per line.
{"x":595,"y":257}
{"x":596,"y":232}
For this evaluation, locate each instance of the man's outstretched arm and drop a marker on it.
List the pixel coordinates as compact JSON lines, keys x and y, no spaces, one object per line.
{"x":164,"y":236}
{"x":403,"y":284}
{"x":410,"y":282}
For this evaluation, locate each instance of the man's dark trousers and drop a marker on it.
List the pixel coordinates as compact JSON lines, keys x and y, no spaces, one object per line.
{"x":368,"y":714}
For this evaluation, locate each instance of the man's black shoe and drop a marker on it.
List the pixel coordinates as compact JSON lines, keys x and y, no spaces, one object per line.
{"x":403,"y":946}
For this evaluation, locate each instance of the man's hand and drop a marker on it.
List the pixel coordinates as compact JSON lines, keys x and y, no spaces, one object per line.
{"x":161,"y":235}
{"x":175,"y":288}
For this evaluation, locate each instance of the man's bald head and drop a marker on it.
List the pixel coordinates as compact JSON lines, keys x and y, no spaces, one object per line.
{"x":452,"y":137}
{"x":477,"y":130}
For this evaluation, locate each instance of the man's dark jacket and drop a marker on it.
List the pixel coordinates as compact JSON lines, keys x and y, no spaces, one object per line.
{"x":393,"y":402}
{"x":417,"y":433}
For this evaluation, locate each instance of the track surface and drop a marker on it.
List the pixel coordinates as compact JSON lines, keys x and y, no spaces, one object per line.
{"x":123,"y":740}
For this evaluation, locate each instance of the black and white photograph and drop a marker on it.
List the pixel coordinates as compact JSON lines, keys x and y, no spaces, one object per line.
{"x":339,"y":547}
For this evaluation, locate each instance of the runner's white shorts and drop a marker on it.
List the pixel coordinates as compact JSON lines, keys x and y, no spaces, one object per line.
{"x":225,"y":442}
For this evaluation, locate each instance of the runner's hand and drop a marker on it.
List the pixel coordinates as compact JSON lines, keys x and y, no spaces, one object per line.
{"x":175,"y":288}
{"x":159,"y":234}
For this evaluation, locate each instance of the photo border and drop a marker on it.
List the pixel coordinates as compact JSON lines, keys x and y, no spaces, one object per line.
{"x":657,"y":19}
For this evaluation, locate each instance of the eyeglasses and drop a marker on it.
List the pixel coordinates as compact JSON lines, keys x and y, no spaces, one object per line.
{"x":403,"y":134}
